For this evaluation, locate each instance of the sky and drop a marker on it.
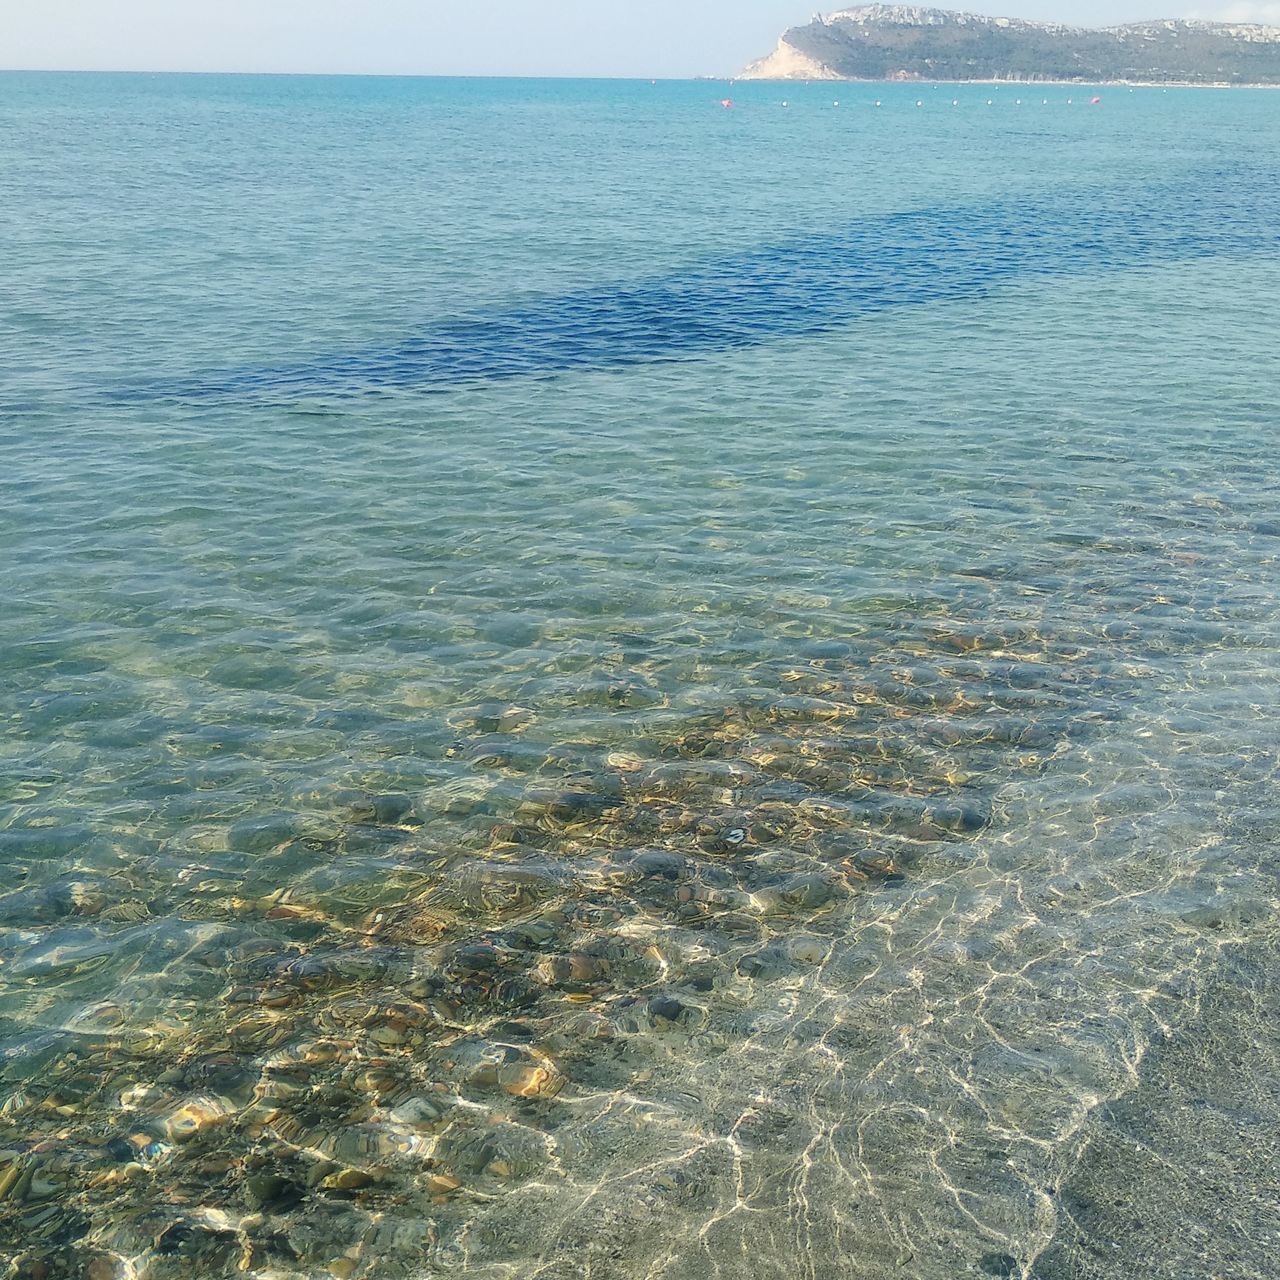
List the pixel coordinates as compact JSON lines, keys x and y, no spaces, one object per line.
{"x":672,"y":38}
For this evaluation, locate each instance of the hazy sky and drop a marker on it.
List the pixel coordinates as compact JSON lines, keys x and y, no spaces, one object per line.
{"x":465,"y":37}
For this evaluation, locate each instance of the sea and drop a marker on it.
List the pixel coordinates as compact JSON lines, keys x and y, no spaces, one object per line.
{"x":610,"y":680}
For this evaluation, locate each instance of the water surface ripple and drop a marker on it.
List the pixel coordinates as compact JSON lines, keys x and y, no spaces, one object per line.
{"x":804,"y":286}
{"x":805,"y":811}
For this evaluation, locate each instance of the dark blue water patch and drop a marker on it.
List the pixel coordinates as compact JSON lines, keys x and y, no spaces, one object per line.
{"x":802,"y":286}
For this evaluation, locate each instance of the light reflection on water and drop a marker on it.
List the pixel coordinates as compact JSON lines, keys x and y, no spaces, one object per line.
{"x":745,"y":817}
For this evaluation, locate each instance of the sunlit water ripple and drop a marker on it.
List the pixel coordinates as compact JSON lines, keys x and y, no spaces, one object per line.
{"x":692,"y":696}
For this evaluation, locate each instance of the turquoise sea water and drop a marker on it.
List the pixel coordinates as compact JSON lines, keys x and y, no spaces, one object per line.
{"x":598,"y":686}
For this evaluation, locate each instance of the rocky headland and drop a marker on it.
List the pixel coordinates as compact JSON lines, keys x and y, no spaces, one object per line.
{"x":907,"y":42}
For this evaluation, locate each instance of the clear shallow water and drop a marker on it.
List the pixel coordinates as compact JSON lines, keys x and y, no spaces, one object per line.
{"x":599,"y":686}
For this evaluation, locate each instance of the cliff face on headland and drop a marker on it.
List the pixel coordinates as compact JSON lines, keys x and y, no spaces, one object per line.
{"x":905,"y":42}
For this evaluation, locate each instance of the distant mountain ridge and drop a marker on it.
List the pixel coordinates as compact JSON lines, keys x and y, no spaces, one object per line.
{"x":910,"y":42}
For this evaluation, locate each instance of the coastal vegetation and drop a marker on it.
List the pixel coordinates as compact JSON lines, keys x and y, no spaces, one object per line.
{"x":906,"y":42}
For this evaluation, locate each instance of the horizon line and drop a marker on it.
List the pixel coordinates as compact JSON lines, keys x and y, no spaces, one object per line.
{"x":384,"y":75}
{"x":633,"y":79}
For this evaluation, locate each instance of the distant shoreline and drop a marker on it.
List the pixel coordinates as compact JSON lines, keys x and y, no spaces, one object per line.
{"x":890,"y":42}
{"x":1025,"y":84}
